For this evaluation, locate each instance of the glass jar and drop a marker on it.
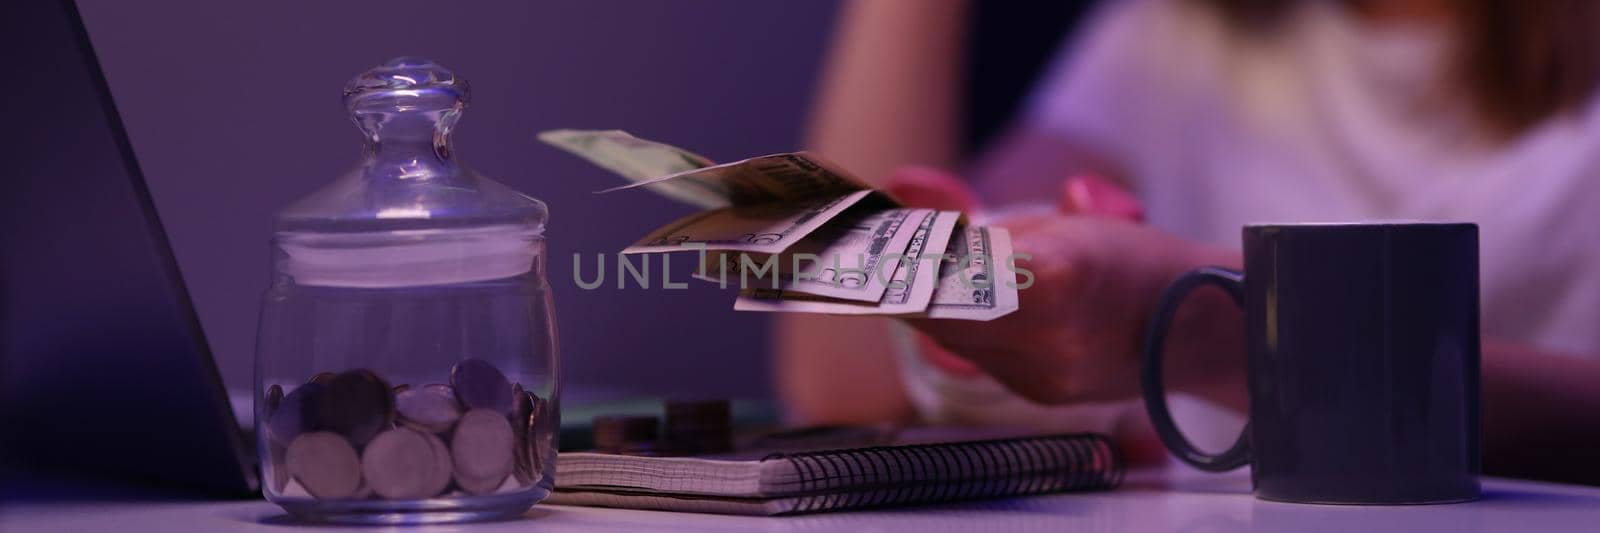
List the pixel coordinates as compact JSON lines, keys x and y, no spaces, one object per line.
{"x":406,"y":367}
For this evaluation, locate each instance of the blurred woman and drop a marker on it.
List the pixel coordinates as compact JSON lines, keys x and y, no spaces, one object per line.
{"x":1169,"y":124}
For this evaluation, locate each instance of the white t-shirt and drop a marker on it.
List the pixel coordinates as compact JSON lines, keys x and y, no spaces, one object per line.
{"x":1327,"y":119}
{"x":1335,"y":120}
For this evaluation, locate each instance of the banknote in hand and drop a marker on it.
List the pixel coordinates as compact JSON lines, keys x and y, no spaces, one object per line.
{"x":804,"y":235}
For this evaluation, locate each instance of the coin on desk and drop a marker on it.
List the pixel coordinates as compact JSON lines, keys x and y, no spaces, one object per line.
{"x":357,"y":404}
{"x":430,"y":409}
{"x":325,"y":465}
{"x":479,"y":385}
{"x":481,"y":449}
{"x":625,"y":433}
{"x":704,"y":426}
{"x":401,"y":464}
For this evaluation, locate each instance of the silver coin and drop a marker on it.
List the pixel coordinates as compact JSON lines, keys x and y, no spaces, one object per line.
{"x":443,"y":467}
{"x":521,"y":418}
{"x":357,"y":404}
{"x":538,"y":434}
{"x":276,"y":467}
{"x":482,"y":450}
{"x":296,"y":413}
{"x":479,"y":384}
{"x":399,"y":464}
{"x":325,"y":465}
{"x":428,"y":409}
{"x":479,"y":486}
{"x":273,"y":397}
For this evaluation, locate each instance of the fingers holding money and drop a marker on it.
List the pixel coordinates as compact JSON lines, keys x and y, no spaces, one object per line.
{"x":1094,"y":281}
{"x":1092,"y":195}
{"x":932,"y":188}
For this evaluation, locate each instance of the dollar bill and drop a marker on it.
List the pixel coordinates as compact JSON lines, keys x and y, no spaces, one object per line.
{"x":688,"y":177}
{"x":767,"y":228}
{"x":977,"y":278}
{"x":853,"y":258}
{"x":765,"y":179}
{"x":782,"y":205}
{"x":757,"y":205}
{"x":908,"y":292}
{"x":639,"y":160}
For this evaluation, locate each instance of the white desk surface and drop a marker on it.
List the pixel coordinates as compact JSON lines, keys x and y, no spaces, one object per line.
{"x":1150,"y":502}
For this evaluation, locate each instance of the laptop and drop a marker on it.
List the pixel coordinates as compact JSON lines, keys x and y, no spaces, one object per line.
{"x":103,"y":365}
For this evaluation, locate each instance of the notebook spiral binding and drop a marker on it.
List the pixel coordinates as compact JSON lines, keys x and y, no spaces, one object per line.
{"x":929,"y":473}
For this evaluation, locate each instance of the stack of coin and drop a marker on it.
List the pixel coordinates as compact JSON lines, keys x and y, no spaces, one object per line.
{"x":350,"y":435}
{"x":695,"y":427}
{"x":625,"y":434}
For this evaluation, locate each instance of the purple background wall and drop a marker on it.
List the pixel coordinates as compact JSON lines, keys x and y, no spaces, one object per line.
{"x":234,"y":111}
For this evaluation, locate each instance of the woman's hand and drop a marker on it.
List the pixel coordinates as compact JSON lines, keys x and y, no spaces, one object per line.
{"x":1097,"y":275}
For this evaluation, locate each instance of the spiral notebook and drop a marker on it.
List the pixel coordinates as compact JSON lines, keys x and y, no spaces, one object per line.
{"x":831,"y":480}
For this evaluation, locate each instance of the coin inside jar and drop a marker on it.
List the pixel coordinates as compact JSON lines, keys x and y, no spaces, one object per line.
{"x":479,"y":384}
{"x":357,"y":404}
{"x":325,"y":465}
{"x":443,"y":466}
{"x":296,"y":413}
{"x":521,"y":418}
{"x":481,"y":449}
{"x":428,"y":408}
{"x":401,"y":464}
{"x":275,"y":465}
{"x":273,"y":397}
{"x":541,"y":440}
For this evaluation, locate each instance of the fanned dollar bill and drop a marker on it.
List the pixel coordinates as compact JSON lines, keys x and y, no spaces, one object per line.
{"x":640,"y":160}
{"x":695,"y":180}
{"x":759,"y":228}
{"x":977,"y":280}
{"x":853,"y":258}
{"x":908,"y":291}
{"x":759,"y":205}
{"x":765,"y":179}
{"x":778,"y":207}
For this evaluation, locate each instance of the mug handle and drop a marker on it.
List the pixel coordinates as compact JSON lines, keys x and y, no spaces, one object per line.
{"x":1155,"y":399}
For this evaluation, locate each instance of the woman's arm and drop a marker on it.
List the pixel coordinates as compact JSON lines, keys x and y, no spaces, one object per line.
{"x":889,"y":96}
{"x":891,"y":86}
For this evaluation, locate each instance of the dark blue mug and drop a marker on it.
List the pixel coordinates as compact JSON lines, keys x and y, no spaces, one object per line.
{"x":1363,"y":363}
